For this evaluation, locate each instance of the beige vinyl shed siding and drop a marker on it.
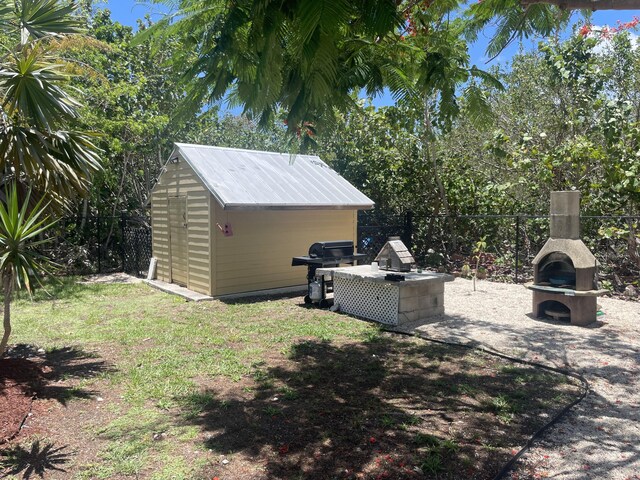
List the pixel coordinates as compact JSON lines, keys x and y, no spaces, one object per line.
{"x":179,"y":180}
{"x":198,"y":233}
{"x":160,"y":233}
{"x":178,"y":247}
{"x":258,"y":255}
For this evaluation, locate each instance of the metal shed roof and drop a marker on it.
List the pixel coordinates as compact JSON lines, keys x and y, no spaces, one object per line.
{"x":252,"y":180}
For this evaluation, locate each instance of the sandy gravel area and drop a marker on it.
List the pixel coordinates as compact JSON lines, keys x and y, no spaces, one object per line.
{"x":600,"y":438}
{"x":110,"y":278}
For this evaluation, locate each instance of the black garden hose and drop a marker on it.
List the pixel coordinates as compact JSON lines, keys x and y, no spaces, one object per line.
{"x":585,"y":390}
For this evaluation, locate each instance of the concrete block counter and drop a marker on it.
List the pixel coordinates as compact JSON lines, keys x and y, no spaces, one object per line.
{"x":363,"y":292}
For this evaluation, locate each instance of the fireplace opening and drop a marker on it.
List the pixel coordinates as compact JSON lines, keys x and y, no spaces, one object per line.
{"x":557,"y":270}
{"x":554,"y":309}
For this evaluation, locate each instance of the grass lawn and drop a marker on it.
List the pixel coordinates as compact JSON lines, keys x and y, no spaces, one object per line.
{"x":141,"y":384}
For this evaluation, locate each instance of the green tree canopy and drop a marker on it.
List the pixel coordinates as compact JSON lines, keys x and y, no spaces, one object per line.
{"x":309,"y":56}
{"x":39,"y":144}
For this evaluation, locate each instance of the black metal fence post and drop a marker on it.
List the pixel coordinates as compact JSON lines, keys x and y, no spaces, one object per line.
{"x":99,"y":240}
{"x":123,"y":239}
{"x":517,"y":247}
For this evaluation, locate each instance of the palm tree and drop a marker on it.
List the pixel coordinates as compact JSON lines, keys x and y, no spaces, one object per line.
{"x":38,"y":145}
{"x":39,"y":149}
{"x":20,"y":262}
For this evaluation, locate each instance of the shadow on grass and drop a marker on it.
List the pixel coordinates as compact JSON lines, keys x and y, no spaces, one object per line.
{"x":54,"y":288}
{"x":60,"y":365}
{"x":390,"y":407}
{"x":37,"y":459}
{"x":262,"y":298}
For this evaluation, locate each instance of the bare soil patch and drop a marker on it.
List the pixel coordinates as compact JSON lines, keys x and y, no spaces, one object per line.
{"x":118,"y":277}
{"x":46,"y":423}
{"x":390,"y":409}
{"x":19,"y":379}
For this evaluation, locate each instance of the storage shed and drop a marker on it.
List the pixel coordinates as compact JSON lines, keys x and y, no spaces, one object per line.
{"x":228,"y":221}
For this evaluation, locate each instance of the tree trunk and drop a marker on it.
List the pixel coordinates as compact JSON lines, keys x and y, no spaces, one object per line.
{"x":430,"y":151}
{"x":7,"y":286}
{"x":588,"y":4}
{"x":117,"y":200}
{"x":633,"y":245}
{"x":85,"y":212}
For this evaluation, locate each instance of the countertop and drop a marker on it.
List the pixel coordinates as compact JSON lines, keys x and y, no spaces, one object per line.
{"x":364,"y":272}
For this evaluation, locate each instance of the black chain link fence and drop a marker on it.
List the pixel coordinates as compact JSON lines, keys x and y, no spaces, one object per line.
{"x":100,"y":244}
{"x":505,"y":244}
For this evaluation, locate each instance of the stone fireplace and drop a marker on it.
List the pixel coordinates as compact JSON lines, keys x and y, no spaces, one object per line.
{"x":565,"y":271}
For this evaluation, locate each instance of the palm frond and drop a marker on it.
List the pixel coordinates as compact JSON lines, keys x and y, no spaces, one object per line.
{"x":401,"y":86}
{"x":476,"y":104}
{"x":269,"y":53}
{"x":31,"y":83}
{"x":19,"y":226}
{"x":486,"y":77}
{"x":60,"y":162}
{"x":42,"y":18}
{"x":7,"y":8}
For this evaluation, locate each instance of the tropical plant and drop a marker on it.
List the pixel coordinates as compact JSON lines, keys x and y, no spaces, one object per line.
{"x":305,"y":56}
{"x":480,"y":271}
{"x":21,"y":229}
{"x":310,"y":56}
{"x":38,"y":143}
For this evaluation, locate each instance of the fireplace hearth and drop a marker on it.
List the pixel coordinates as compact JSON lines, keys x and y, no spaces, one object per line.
{"x":565,"y":271}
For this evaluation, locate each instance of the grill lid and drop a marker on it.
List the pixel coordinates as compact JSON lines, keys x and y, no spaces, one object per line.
{"x":332,"y":249}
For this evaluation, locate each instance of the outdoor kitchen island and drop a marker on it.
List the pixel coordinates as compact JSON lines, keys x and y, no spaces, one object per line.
{"x":366,"y":293}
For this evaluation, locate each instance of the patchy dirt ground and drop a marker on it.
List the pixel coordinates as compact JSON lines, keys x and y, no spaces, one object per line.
{"x":19,"y":380}
{"x":118,"y":277}
{"x":54,"y":420}
{"x":312,"y":404}
{"x":393,"y":408}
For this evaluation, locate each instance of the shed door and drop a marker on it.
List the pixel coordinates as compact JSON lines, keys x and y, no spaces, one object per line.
{"x":178,"y":239}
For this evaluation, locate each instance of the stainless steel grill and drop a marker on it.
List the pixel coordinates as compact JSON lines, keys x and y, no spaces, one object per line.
{"x":325,"y":254}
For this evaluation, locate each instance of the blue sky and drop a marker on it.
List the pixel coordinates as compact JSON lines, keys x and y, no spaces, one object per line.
{"x":128,"y":11}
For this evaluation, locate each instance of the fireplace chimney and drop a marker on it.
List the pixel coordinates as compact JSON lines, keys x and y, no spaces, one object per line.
{"x":565,"y":215}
